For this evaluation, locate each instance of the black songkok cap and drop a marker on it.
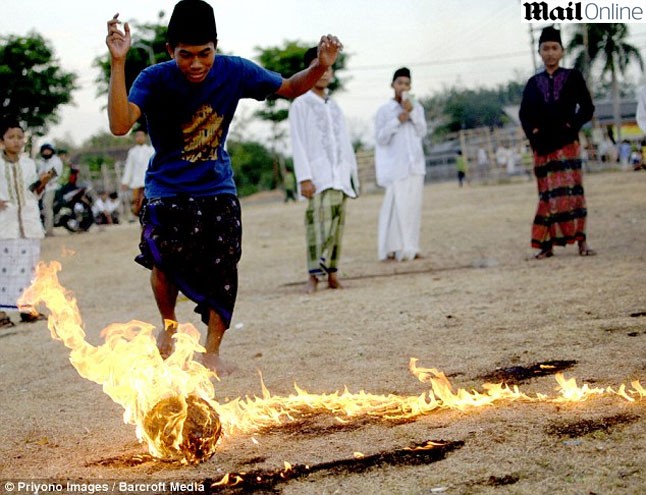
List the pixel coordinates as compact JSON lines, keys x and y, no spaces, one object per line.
{"x":193,"y":23}
{"x":403,"y":72}
{"x":550,"y":34}
{"x":310,"y":55}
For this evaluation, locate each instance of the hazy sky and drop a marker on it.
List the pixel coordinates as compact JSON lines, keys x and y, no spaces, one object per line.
{"x":470,"y":43}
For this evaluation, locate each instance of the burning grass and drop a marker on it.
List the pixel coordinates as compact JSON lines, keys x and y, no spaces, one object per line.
{"x":172,"y":402}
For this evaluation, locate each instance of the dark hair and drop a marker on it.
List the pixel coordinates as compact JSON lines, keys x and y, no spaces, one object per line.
{"x":192,"y":22}
{"x":8,"y":123}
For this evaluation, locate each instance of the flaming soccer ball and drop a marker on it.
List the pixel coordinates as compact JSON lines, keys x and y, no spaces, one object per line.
{"x":185,"y":429}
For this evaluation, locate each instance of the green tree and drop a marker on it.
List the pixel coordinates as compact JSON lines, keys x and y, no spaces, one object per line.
{"x":33,"y":84}
{"x":605,"y":45}
{"x":454,"y":109}
{"x":253,"y":167}
{"x":105,"y":141}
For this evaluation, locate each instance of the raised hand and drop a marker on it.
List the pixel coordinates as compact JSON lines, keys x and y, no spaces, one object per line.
{"x":329,"y":48}
{"x":118,"y":42}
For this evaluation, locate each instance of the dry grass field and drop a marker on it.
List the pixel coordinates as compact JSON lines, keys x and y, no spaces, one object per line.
{"x":477,"y":307}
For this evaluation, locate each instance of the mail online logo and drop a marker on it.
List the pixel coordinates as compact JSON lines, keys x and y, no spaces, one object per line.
{"x":598,"y":11}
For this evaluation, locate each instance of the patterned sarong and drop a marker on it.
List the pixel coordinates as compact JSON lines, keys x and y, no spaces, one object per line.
{"x":561,"y":214}
{"x":324,"y":222}
{"x":196,"y":242}
{"x":18,"y":260}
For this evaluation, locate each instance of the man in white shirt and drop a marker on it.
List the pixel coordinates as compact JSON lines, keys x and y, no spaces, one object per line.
{"x":134,"y":173}
{"x":326,"y":172}
{"x":49,"y":162}
{"x":400,"y":167}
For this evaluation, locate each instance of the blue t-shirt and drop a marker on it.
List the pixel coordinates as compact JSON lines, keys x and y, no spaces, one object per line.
{"x":188,"y":123}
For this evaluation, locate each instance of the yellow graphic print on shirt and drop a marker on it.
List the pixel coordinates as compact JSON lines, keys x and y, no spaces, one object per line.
{"x":202,"y":135}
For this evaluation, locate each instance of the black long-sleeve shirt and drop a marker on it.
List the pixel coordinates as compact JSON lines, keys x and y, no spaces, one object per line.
{"x":558,"y":105}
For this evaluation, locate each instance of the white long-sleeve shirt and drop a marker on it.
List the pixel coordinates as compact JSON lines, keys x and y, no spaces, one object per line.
{"x":134,"y":173}
{"x":20,"y":219}
{"x":321,"y":145}
{"x":399,"y":152}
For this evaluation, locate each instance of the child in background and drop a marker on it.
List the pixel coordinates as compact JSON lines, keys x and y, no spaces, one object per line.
{"x":20,"y":227}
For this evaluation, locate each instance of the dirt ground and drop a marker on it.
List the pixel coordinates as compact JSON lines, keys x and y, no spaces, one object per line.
{"x":477,"y":304}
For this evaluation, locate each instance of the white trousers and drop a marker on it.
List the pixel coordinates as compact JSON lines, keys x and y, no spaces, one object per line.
{"x":400,"y":219}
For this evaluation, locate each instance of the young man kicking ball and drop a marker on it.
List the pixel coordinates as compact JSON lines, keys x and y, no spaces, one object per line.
{"x":191,"y":237}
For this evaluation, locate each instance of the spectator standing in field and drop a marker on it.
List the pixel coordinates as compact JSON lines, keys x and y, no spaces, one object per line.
{"x":21,"y":229}
{"x":555,"y":105}
{"x":134,"y":172}
{"x":461,"y":167}
{"x":326,"y":172}
{"x":400,"y":166}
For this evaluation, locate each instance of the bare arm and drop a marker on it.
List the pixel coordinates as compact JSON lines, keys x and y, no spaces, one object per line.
{"x":301,"y":82}
{"x":122,"y":114}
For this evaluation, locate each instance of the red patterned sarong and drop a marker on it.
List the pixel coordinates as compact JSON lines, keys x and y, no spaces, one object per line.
{"x":561,"y":214}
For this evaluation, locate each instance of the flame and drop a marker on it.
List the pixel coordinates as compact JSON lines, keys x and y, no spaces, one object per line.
{"x":129,"y":366}
{"x":172,"y":402}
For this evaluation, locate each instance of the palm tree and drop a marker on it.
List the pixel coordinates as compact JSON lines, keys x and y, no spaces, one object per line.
{"x":605,"y":44}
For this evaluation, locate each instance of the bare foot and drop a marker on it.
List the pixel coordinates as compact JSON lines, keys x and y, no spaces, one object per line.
{"x":333,"y":282}
{"x":546,"y":253}
{"x":584,"y":249}
{"x":312,"y":283}
{"x":165,"y":341}
{"x":215,"y":363}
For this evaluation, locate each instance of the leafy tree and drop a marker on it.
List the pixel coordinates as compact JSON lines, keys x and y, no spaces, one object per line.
{"x":455,"y":109}
{"x":605,"y":45}
{"x":102,"y":149}
{"x":148,"y":48}
{"x":253,"y":166}
{"x":105,"y":140}
{"x":96,"y":160}
{"x":33,"y":84}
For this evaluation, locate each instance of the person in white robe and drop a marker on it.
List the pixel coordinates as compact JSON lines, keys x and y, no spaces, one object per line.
{"x":400,"y":127}
{"x":21,"y":229}
{"x":326,"y":173}
{"x":134,"y":173}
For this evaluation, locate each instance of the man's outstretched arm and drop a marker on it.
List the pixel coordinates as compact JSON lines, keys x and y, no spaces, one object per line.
{"x":301,"y":82}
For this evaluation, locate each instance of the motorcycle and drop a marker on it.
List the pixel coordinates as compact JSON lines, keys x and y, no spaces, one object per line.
{"x":73,"y":208}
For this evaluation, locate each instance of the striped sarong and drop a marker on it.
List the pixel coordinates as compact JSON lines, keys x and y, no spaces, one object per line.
{"x":324,"y":222}
{"x":561,"y":215}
